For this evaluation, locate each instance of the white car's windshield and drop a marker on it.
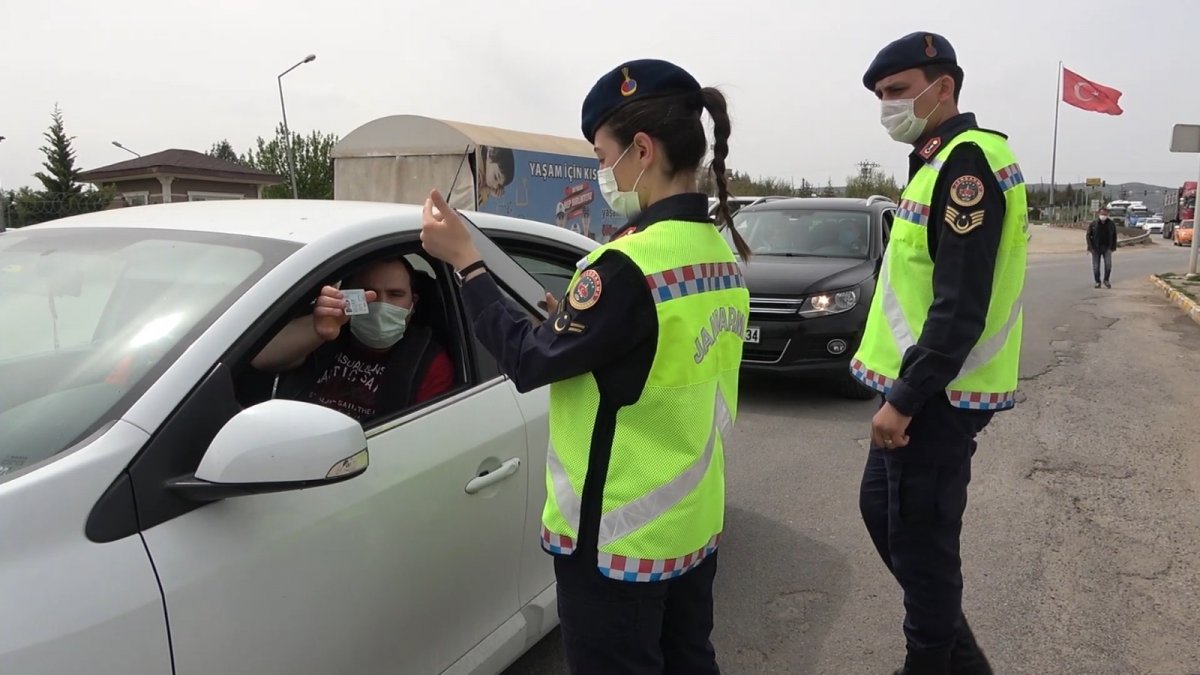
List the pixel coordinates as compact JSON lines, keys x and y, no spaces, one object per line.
{"x":90,"y":316}
{"x":805,"y":232}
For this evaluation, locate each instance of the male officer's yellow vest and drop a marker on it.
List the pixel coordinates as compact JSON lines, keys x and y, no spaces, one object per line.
{"x":904,"y":293}
{"x":663,"y":499}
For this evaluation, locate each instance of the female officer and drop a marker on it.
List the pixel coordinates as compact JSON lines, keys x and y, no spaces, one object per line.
{"x":642,"y":360}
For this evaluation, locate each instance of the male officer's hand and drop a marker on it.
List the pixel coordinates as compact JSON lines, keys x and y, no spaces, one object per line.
{"x":889,"y":428}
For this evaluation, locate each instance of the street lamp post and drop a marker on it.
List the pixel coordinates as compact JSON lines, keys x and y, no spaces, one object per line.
{"x":286,"y":132}
{"x":118,"y":144}
{"x":3,"y":206}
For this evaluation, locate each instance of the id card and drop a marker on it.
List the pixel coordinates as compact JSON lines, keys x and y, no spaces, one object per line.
{"x":356,"y":301}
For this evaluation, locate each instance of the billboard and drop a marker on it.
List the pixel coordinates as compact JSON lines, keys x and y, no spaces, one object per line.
{"x":550,"y":188}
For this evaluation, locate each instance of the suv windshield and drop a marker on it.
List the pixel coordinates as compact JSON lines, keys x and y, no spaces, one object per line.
{"x":805,"y":232}
{"x":92,"y":316}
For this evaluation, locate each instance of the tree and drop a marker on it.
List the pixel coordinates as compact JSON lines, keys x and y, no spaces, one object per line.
{"x":314,"y":164}
{"x":828,"y":190}
{"x":63,"y":192}
{"x":223,"y":150}
{"x":872,"y":181}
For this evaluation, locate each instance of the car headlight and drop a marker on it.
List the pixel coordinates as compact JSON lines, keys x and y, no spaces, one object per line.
{"x":834,"y":302}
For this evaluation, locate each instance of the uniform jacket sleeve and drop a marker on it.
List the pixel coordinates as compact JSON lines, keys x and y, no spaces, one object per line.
{"x":577,"y":339}
{"x":964,"y":258}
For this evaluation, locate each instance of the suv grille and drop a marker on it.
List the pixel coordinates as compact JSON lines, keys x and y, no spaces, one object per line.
{"x":775,"y":306}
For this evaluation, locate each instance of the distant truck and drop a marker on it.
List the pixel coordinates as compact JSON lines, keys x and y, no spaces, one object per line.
{"x":533,"y":176}
{"x":1181,"y":205}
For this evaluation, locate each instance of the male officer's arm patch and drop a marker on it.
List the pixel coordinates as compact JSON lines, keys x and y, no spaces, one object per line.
{"x":966,"y":192}
{"x":565,"y":324}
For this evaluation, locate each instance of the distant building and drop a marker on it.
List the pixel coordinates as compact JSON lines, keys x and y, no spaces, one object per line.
{"x":180,"y":176}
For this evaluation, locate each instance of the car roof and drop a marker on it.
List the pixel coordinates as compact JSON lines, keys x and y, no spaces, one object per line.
{"x":301,"y":221}
{"x":828,"y":203}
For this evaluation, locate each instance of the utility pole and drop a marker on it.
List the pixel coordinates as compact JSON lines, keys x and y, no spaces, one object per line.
{"x":866,"y":168}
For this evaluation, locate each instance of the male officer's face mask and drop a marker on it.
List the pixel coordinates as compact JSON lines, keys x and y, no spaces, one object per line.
{"x":901,"y":122}
{"x":382,"y":326}
{"x":625,"y":203}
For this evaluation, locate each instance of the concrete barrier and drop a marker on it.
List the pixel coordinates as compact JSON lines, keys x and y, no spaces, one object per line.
{"x":1126,"y":236}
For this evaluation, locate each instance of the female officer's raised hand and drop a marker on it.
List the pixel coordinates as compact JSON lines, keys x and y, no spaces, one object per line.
{"x":444,"y":235}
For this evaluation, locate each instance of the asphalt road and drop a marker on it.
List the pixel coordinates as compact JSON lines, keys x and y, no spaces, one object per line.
{"x":1082,"y":540}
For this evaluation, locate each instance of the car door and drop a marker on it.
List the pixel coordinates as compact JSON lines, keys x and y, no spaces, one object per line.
{"x":400,"y":570}
{"x":553,"y":265}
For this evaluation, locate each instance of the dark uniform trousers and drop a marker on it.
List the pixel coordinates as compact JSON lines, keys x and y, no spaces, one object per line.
{"x":628,"y":628}
{"x":912,"y":501}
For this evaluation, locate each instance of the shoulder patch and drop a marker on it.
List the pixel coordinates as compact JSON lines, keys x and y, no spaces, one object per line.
{"x":966,"y":191}
{"x":563,"y":324}
{"x":625,"y":232}
{"x":961,"y":222}
{"x":587,"y":290}
{"x":931,"y":147}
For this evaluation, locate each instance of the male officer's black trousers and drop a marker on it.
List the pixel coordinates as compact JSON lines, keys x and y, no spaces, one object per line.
{"x":912,"y":501}
{"x":628,"y":628}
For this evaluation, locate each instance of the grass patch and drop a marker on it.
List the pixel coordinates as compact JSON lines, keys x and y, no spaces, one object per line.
{"x":1188,"y":284}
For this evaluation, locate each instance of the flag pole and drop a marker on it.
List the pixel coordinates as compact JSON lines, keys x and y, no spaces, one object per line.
{"x":1054,"y":152}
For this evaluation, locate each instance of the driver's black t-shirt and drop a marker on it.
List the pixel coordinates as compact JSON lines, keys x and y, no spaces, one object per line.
{"x":350,"y":382}
{"x":347,"y":378}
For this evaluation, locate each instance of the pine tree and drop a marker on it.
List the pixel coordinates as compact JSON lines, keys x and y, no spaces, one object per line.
{"x":63,"y":194}
{"x":62,"y":183}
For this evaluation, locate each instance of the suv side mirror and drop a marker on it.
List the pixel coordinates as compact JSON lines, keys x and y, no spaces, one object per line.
{"x":277,"y":446}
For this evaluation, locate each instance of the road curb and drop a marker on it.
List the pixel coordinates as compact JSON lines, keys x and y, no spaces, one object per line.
{"x":1189,"y":306}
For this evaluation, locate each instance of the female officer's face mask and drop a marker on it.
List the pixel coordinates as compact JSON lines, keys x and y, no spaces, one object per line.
{"x":625,"y":203}
{"x":382,"y":326}
{"x":901,"y":122}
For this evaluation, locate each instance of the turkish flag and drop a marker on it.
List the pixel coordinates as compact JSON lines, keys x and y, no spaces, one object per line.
{"x":1087,"y":95}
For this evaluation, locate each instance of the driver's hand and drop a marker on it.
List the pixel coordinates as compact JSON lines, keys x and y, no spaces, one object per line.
{"x":329,"y":312}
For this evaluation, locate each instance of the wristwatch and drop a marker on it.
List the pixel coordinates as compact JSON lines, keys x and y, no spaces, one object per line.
{"x":461,"y":275}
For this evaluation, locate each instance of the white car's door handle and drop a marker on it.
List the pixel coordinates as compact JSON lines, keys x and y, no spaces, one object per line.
{"x":505,"y":470}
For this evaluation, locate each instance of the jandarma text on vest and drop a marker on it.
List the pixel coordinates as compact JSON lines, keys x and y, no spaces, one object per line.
{"x":723,"y":319}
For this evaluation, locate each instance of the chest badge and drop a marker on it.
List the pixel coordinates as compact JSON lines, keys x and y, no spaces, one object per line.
{"x":966,"y":191}
{"x":587,"y":290}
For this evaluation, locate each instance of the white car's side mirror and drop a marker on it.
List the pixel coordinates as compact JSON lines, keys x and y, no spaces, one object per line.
{"x":277,"y":446}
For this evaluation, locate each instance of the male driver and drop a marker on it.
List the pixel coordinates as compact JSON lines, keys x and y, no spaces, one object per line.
{"x":381,"y":365}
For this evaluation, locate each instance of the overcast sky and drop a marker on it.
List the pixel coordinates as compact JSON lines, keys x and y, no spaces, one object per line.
{"x":157,"y":74}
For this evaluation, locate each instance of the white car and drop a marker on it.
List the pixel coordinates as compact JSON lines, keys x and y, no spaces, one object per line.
{"x":161,"y":513}
{"x":1152,"y":225}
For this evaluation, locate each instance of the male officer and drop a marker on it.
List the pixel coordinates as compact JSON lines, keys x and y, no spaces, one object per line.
{"x":942,"y":342}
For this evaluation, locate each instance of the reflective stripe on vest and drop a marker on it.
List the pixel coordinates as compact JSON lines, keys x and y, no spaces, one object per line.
{"x":692,"y":279}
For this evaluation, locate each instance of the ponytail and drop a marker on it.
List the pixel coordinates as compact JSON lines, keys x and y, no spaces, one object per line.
{"x":714,"y":103}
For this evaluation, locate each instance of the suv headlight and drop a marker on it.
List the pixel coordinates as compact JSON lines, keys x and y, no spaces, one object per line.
{"x":833,"y":302}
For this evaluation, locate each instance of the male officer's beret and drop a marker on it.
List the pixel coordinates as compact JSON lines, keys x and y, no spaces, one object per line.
{"x":634,"y":81}
{"x":911,"y":51}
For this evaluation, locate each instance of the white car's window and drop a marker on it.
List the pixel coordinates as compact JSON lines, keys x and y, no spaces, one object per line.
{"x":93,"y":312}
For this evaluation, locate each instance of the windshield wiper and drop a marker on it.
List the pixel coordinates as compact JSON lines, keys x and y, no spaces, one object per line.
{"x":789,"y":255}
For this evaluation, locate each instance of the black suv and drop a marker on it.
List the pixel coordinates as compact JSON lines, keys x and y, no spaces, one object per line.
{"x":811,"y":278}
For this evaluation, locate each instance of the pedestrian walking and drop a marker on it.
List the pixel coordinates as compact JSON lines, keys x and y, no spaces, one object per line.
{"x":642,"y":359}
{"x":942,"y":342}
{"x":1101,"y":243}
